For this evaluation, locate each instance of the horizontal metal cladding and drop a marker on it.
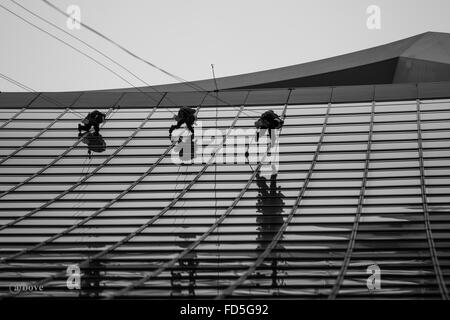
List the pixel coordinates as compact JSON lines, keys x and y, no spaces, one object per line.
{"x":376,"y":194}
{"x":307,"y":95}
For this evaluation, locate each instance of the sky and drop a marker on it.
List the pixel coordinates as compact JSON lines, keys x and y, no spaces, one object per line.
{"x":185,"y":37}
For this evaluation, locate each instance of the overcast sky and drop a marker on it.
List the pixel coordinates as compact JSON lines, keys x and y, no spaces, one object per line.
{"x":186,"y":36}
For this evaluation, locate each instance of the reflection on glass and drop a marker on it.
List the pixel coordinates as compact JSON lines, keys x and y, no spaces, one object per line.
{"x":91,"y":280}
{"x":94,"y":142}
{"x":183,"y":279}
{"x":390,"y":231}
{"x":92,"y":274}
{"x":270,"y":205}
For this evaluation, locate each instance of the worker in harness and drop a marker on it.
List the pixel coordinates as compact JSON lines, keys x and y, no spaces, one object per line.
{"x":93,"y":119}
{"x":269,"y":120}
{"x":185,"y":115}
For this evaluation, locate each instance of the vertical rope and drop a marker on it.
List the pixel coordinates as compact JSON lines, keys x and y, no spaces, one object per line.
{"x":229,"y":290}
{"x":352,"y":239}
{"x":437,"y":269}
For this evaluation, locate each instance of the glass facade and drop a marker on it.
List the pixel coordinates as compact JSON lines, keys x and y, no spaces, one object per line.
{"x":359,"y":184}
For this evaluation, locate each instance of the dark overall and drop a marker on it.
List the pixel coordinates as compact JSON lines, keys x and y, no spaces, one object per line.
{"x":185,"y":115}
{"x":93,"y":119}
{"x":269,"y":120}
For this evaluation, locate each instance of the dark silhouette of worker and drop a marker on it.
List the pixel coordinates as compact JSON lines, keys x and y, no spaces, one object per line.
{"x":95,"y":143}
{"x":270,"y":204}
{"x":184,"y":277}
{"x":91,"y":286}
{"x":185,"y":115}
{"x":93,"y":119}
{"x":269,"y":120}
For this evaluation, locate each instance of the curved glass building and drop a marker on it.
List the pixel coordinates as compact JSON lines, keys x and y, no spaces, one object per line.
{"x":356,"y":205}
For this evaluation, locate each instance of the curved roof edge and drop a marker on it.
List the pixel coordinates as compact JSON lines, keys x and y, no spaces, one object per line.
{"x":421,"y":58}
{"x":308,"y":95}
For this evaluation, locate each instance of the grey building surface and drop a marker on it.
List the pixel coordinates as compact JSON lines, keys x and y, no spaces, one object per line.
{"x":363,"y":180}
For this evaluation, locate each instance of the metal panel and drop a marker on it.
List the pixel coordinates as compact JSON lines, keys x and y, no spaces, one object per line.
{"x":132,"y":219}
{"x":310,"y":95}
{"x":394,"y":92}
{"x":267,"y":97}
{"x":98,"y":100}
{"x":16,"y":99}
{"x":434,"y":90}
{"x":353,"y":94}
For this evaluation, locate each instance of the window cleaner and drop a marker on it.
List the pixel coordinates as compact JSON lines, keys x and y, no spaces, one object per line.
{"x":93,"y":119}
{"x":185,"y":115}
{"x":269,"y":120}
